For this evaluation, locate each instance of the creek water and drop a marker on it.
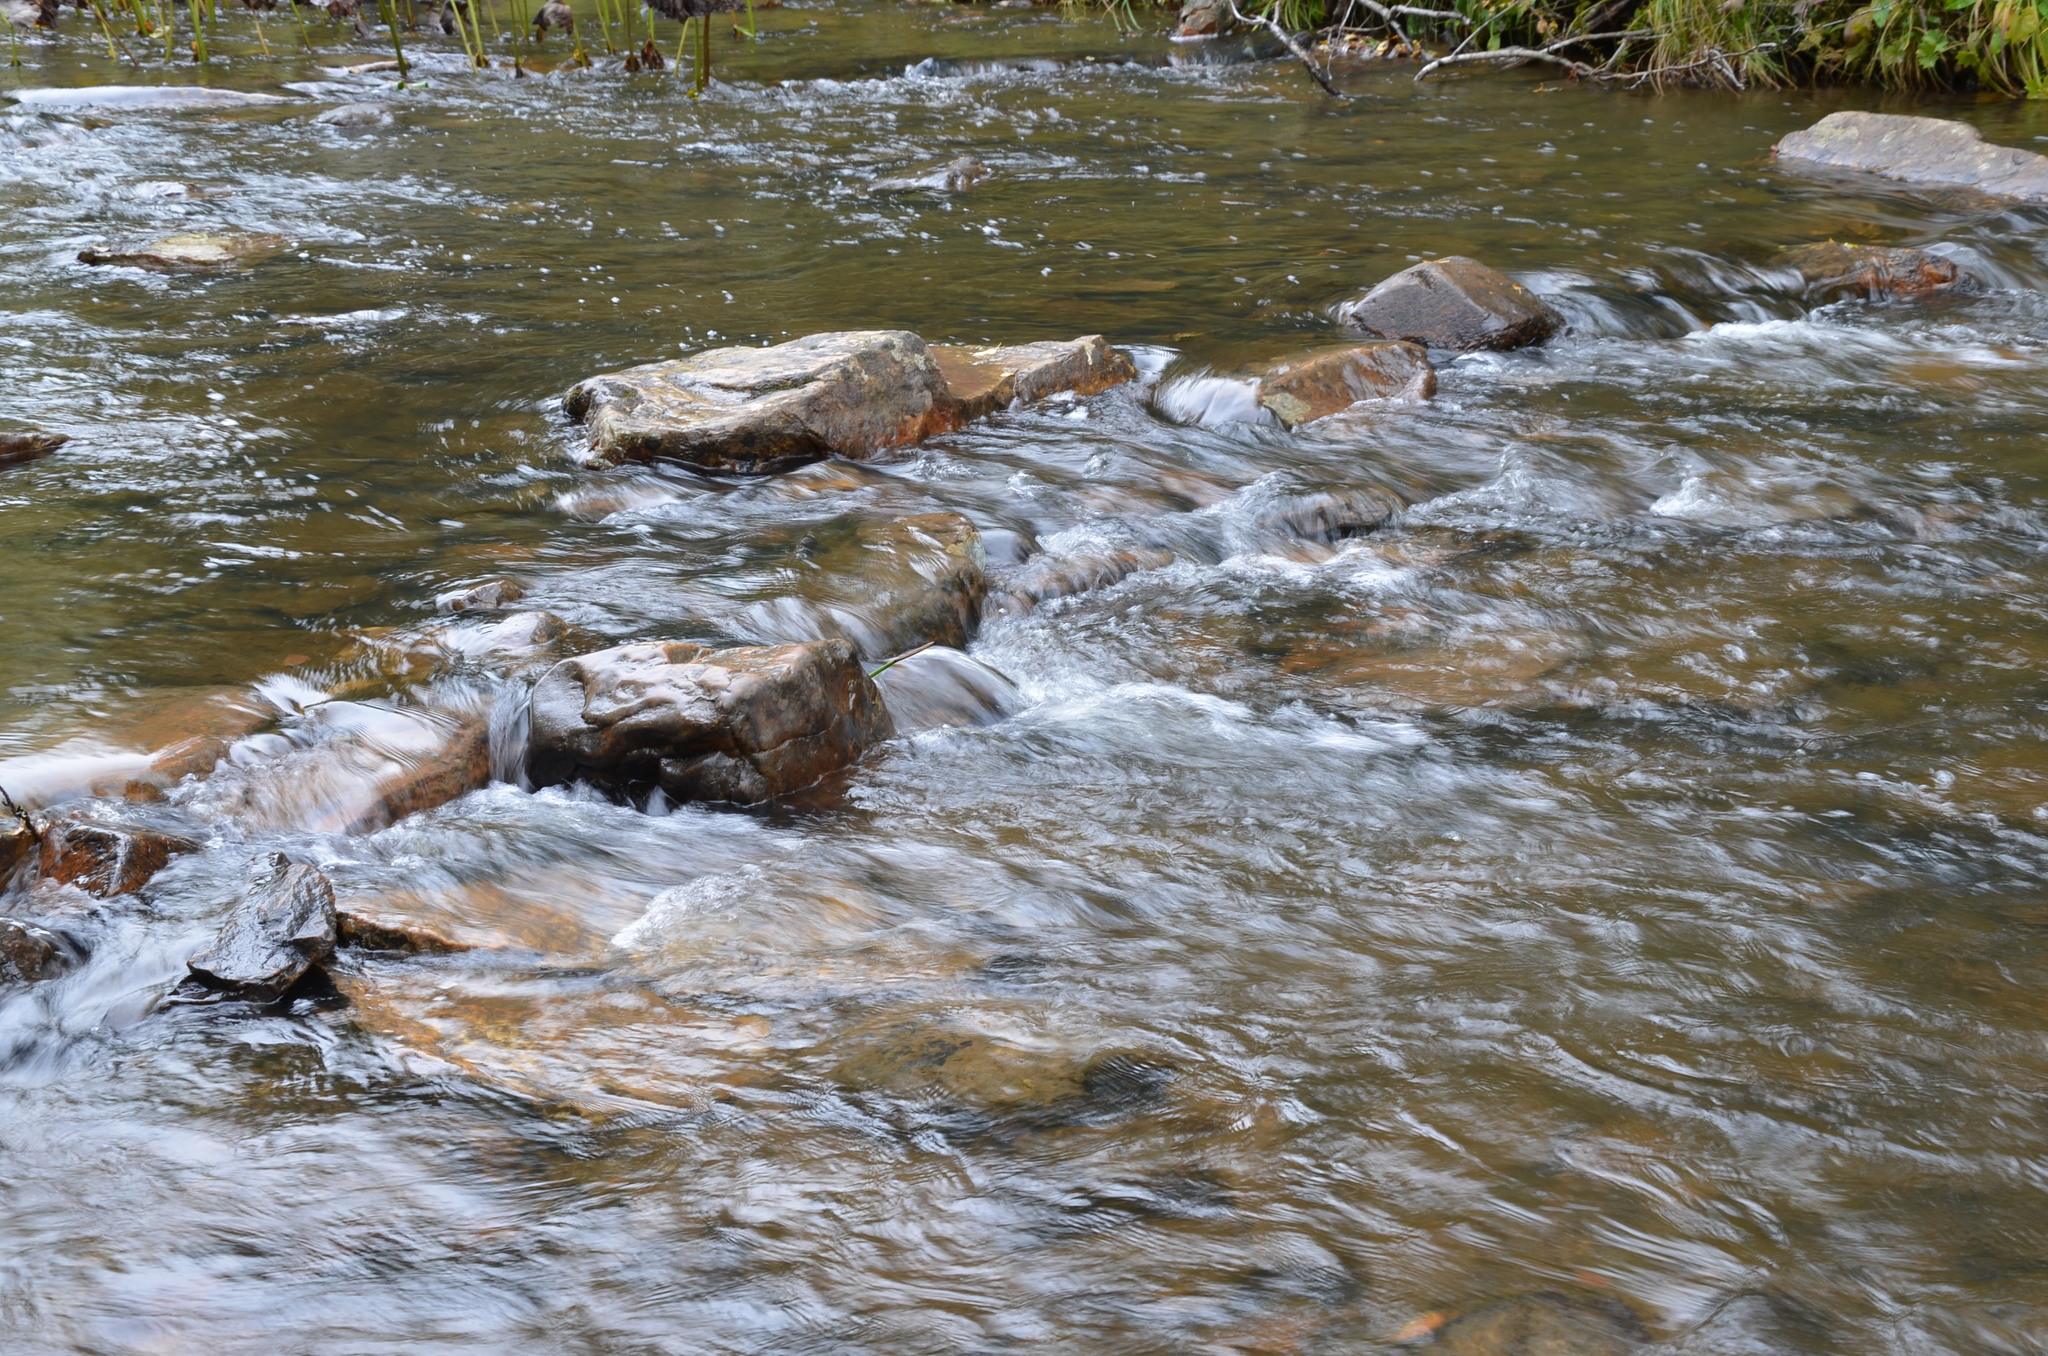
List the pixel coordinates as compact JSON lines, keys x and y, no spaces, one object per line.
{"x":1620,"y":875}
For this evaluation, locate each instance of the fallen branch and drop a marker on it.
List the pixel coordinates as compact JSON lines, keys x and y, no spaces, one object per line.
{"x":1389,"y":12}
{"x":1515,"y":56}
{"x":907,"y":654}
{"x":1266,"y":22}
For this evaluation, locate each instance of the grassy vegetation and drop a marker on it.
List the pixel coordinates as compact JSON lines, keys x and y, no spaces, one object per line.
{"x":1997,"y":45}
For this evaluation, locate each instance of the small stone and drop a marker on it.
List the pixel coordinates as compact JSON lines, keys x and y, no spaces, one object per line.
{"x":1544,"y":1323}
{"x":29,"y":953}
{"x":985,"y":380}
{"x":752,"y":411}
{"x":955,"y":176}
{"x":746,"y":724}
{"x":488,"y":596}
{"x":283,"y":927}
{"x":1318,"y":385}
{"x":16,"y":448}
{"x":1871,"y":270}
{"x":356,"y":117}
{"x":1453,"y":303}
{"x":104,"y":860}
{"x":191,"y":250}
{"x":1934,"y":151}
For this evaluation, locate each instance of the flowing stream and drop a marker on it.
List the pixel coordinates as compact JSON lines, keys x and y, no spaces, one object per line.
{"x":1625,"y":874}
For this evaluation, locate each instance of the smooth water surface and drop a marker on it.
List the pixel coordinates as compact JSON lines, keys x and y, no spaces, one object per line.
{"x":1622,"y":875}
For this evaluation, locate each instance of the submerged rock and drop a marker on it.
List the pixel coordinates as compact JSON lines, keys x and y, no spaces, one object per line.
{"x":886,"y":585}
{"x":1046,"y":577}
{"x":29,"y":953}
{"x":104,"y":859}
{"x":173,"y":98}
{"x":944,"y":687}
{"x":189,"y":250}
{"x":1933,"y":151}
{"x":284,"y":926}
{"x":488,"y":596}
{"x":356,"y":117}
{"x":1318,"y":385}
{"x":755,"y":410}
{"x":18,"y":447}
{"x":377,"y":765}
{"x":955,"y":176}
{"x":1871,"y":270}
{"x":1274,"y":505}
{"x":985,"y":380}
{"x":746,"y":724}
{"x":1453,"y":303}
{"x":1545,"y":1323}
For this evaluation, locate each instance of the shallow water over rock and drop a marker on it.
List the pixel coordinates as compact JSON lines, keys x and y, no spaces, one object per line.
{"x":1561,"y":858}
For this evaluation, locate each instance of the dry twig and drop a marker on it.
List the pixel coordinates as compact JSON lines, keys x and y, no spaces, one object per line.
{"x":1549,"y":52}
{"x":1293,"y":46}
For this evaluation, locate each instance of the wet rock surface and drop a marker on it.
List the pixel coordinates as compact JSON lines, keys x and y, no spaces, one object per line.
{"x":887,"y":586}
{"x":1933,"y":151}
{"x":104,"y":859}
{"x":1453,"y":303}
{"x":985,"y":380}
{"x":18,"y":447}
{"x":1203,"y":19}
{"x":944,"y":687}
{"x":283,"y":927}
{"x":195,"y":250}
{"x":1053,"y":575}
{"x":1546,"y":1323}
{"x":1318,"y":385}
{"x":18,"y":847}
{"x":955,"y":176}
{"x":29,"y":952}
{"x":1830,"y":268}
{"x":488,"y":596}
{"x":746,"y":724}
{"x":756,"y":410}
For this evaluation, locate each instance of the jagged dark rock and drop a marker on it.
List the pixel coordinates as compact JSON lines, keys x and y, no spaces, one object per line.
{"x":284,"y":926}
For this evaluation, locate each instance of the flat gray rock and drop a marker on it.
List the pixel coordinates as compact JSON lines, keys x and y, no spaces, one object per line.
{"x":1934,"y":151}
{"x":172,"y":98}
{"x":756,"y":410}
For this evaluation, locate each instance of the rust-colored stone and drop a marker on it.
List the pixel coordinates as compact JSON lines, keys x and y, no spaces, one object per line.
{"x":1318,"y":385}
{"x":104,"y":860}
{"x":1871,"y":270}
{"x":985,"y":380}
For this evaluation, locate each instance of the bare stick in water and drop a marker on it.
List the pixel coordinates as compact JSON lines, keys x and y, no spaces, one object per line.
{"x":907,"y":654}
{"x":1266,"y":22}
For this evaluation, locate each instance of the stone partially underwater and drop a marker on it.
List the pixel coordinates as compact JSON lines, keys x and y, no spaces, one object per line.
{"x":852,"y":393}
{"x":1936,"y":152}
{"x":745,"y":725}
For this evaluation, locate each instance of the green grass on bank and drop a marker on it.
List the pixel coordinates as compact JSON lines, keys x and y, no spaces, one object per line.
{"x":1995,"y":45}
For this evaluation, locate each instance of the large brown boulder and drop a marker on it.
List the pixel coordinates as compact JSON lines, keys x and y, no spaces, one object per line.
{"x":985,"y":380}
{"x":1932,"y":151}
{"x":745,"y":724}
{"x":887,"y":585}
{"x":757,"y":410}
{"x":1318,"y":385}
{"x":1830,"y":268}
{"x":283,"y":927}
{"x":1453,"y":303}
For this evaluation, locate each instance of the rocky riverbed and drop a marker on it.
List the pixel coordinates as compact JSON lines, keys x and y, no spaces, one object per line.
{"x":1073,"y":701}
